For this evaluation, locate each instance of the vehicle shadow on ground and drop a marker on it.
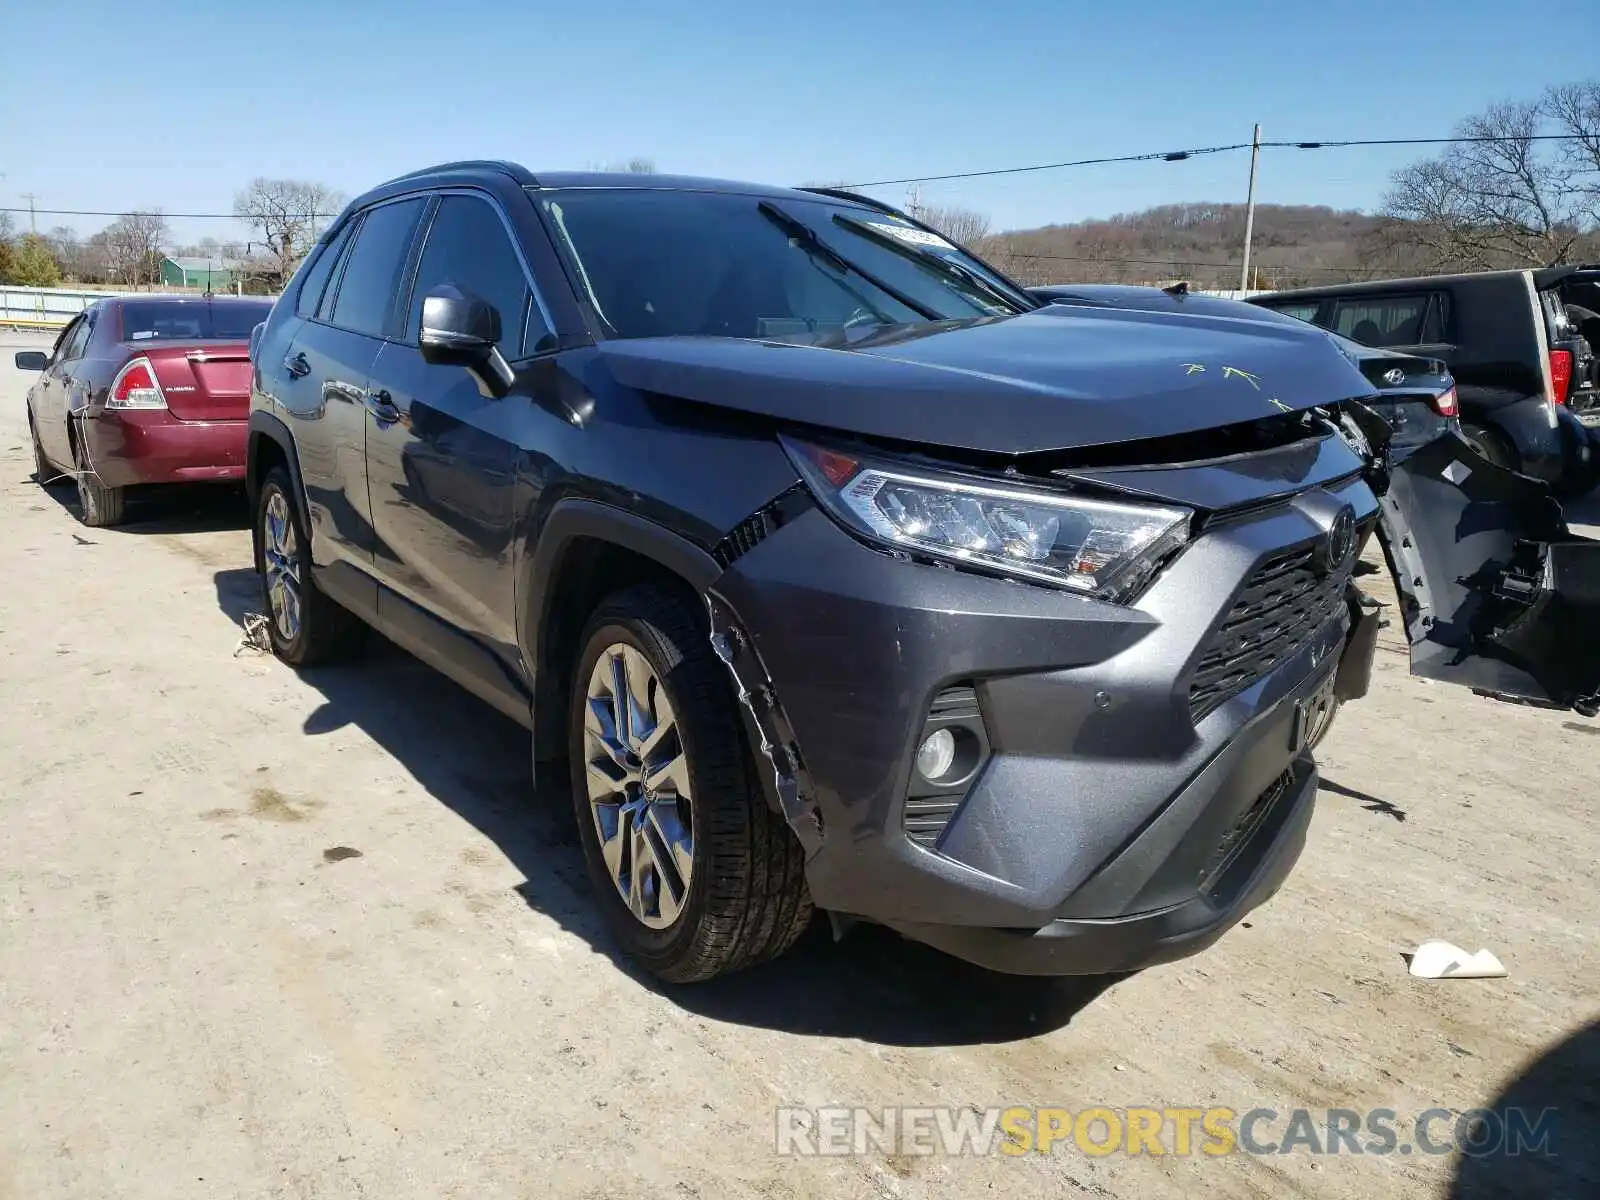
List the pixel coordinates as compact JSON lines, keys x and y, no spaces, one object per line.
{"x":1557,"y":1094}
{"x":873,"y":985}
{"x":205,"y":508}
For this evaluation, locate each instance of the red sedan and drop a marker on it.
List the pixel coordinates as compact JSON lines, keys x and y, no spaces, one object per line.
{"x":143,"y":390}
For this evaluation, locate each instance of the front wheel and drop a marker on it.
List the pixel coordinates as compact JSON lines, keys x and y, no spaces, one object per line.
{"x":304,"y":625}
{"x":696,"y":875}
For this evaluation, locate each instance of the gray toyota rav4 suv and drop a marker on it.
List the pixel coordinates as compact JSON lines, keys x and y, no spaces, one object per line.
{"x":838,"y":572}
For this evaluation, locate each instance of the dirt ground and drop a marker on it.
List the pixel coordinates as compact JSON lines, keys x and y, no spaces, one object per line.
{"x":271,"y":935}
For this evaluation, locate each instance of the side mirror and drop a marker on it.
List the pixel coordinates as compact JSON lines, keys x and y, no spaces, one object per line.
{"x":32,"y":360}
{"x":461,"y":330}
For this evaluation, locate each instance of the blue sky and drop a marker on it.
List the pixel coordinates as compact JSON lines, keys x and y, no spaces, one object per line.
{"x":178,"y":105}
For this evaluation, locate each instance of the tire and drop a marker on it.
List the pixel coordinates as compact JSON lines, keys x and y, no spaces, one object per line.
{"x":99,"y":507}
{"x":44,"y":472}
{"x":745,"y":900}
{"x":1492,"y":445}
{"x":305,"y":627}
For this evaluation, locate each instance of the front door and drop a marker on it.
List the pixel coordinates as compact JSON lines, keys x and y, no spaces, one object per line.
{"x":441,"y":456}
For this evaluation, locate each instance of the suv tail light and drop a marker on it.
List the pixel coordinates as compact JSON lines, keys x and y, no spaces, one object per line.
{"x":1447,"y":404}
{"x":135,"y":386}
{"x":1560,"y":375}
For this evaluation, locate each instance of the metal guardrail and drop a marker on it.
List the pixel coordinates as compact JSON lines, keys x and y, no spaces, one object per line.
{"x":43,"y":308}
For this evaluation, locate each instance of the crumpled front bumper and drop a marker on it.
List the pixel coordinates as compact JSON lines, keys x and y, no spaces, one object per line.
{"x":1108,"y":829}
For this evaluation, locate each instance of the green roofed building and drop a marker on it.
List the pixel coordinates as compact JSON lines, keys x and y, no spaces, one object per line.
{"x":212,"y":274}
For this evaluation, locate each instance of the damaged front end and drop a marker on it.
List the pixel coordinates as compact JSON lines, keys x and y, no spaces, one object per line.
{"x":1496,"y":592}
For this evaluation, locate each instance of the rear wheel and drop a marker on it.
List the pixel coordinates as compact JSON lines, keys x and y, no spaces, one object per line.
{"x":696,"y":875}
{"x":304,"y":625}
{"x":99,"y":506}
{"x":1493,"y":445}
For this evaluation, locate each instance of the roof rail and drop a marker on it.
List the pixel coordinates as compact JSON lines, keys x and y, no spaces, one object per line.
{"x":519,"y":173}
{"x":847,"y":194}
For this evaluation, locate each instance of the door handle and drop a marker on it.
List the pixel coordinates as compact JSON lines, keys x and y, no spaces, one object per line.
{"x":297,"y":365}
{"x":382,"y":406}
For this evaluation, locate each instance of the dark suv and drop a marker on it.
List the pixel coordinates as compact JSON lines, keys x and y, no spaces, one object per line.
{"x":1519,"y":344}
{"x":840,"y":572}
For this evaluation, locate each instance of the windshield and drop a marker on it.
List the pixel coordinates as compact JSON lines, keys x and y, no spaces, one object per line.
{"x":186,"y":320}
{"x":662,"y":263}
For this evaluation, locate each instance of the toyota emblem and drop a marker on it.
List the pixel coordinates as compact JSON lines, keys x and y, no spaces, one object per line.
{"x":1339,"y":544}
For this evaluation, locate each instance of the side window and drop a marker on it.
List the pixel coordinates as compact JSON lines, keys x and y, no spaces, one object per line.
{"x":335,"y":271}
{"x":469,"y":247}
{"x":371,"y":278}
{"x":1436,"y":327}
{"x":1306,"y":310}
{"x":318,"y":273}
{"x":79,"y":338}
{"x":1381,"y":320}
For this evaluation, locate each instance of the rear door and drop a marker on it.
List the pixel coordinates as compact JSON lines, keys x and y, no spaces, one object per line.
{"x":1497,"y":594}
{"x":326,"y":367}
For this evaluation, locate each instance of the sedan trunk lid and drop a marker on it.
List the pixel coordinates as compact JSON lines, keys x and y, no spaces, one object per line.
{"x":205,"y":381}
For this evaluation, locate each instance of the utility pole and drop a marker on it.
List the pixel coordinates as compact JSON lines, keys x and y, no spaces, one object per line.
{"x":33,"y":218}
{"x":1250,"y":209}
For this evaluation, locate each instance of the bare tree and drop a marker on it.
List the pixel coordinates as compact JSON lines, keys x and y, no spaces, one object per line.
{"x":1503,"y":199}
{"x":1574,"y":110}
{"x":637,"y":165}
{"x":961,"y":225}
{"x":133,"y":245}
{"x":289,"y":213}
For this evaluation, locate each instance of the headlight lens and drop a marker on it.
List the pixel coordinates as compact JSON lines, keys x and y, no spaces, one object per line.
{"x":1103,"y":548}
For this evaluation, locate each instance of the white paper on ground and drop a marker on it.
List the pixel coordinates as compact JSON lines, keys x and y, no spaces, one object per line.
{"x":1442,"y":960}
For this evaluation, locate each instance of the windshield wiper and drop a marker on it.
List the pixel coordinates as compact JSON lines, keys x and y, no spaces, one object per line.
{"x":941,"y":265}
{"x":806,"y":238}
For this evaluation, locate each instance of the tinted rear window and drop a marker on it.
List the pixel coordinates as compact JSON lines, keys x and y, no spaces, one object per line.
{"x":156,"y":320}
{"x":1381,"y":320}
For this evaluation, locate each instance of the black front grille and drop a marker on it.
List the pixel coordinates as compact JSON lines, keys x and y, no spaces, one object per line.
{"x":1280,"y":609}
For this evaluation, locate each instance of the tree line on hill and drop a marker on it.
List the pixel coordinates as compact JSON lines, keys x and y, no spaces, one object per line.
{"x":1509,"y":198}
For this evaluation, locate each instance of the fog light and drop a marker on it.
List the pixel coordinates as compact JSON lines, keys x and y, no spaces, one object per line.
{"x":936,"y":755}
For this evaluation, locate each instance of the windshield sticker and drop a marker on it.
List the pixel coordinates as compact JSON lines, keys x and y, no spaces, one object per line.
{"x":914,"y":237}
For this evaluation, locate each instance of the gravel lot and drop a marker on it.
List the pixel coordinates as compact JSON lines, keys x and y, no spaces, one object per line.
{"x":204,"y":993}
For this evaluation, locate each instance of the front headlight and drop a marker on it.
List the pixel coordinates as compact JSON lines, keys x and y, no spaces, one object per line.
{"x":1102,"y":548}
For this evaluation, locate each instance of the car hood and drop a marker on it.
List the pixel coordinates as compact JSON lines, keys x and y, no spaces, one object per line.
{"x":1061,"y":377}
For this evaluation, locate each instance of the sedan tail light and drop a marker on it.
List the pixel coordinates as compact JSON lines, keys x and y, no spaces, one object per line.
{"x":1560,"y":375}
{"x":1447,"y":404}
{"x":135,"y":386}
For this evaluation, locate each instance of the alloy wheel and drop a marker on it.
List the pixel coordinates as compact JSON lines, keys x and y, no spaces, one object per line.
{"x":638,"y":783}
{"x":280,"y":553}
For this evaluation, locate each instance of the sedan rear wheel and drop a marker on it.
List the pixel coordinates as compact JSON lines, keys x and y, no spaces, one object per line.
{"x":99,"y":506}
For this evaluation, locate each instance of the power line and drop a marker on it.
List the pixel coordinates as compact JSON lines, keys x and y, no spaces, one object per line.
{"x":1197,"y":152}
{"x":1488,"y":137}
{"x":1153,"y":156}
